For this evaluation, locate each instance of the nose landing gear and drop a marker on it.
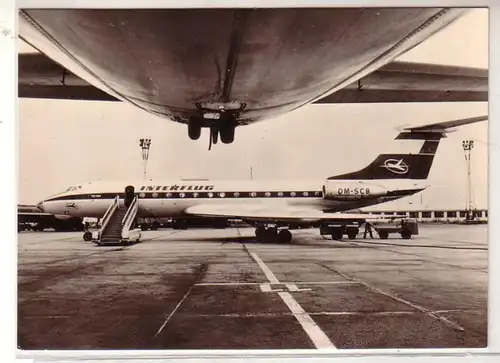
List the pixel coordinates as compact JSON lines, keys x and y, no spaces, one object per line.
{"x":219,"y":118}
{"x":225,"y":132}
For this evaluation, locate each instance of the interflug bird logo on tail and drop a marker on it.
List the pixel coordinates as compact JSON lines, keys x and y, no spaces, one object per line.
{"x":396,"y":166}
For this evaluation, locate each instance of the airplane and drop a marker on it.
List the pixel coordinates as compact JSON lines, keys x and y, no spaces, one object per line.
{"x":27,"y":214}
{"x":222,"y":68}
{"x":272,"y":207}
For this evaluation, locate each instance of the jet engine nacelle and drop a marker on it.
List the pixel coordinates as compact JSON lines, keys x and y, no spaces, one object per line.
{"x":351,"y":191}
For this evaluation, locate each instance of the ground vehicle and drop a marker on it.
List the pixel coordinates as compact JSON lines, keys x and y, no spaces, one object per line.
{"x":406,"y":227}
{"x":338,"y":230}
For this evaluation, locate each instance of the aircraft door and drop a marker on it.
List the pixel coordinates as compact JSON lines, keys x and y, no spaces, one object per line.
{"x":129,"y":195}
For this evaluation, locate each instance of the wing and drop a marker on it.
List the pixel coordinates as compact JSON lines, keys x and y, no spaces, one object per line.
{"x":415,"y":82}
{"x":264,"y":213}
{"x":41,"y":77}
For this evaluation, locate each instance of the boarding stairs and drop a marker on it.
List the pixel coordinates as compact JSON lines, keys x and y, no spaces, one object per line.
{"x":118,"y":224}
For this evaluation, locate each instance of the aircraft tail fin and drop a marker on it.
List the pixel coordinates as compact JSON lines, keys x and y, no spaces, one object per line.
{"x":410,"y":166}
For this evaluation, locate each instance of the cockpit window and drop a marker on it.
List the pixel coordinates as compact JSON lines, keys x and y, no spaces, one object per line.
{"x":72,"y":189}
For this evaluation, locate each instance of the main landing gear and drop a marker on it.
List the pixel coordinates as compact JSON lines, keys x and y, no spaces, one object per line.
{"x":152,"y":226}
{"x":272,"y":234}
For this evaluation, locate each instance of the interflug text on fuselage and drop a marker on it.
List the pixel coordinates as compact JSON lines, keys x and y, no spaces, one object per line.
{"x":175,"y":187}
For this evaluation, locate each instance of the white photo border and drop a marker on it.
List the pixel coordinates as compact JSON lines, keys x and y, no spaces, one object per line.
{"x":9,"y":193}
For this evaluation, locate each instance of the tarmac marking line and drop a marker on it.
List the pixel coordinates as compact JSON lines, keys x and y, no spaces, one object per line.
{"x":402,"y":312}
{"x":317,"y":336}
{"x":173,"y":311}
{"x":177,"y":307}
{"x":229,"y":283}
{"x":293,"y":287}
{"x":282,"y":283}
{"x":325,"y":283}
{"x":428,"y":312}
{"x":269,"y":274}
{"x":268,"y":288}
{"x":360,"y":313}
{"x":280,"y":314}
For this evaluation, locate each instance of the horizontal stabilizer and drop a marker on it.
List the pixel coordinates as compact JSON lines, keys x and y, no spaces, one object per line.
{"x":446,"y":125}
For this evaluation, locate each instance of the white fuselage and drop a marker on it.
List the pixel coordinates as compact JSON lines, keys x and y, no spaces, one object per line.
{"x":165,"y":199}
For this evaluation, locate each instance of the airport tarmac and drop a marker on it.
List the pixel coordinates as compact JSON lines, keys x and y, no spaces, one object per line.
{"x":220,"y":289}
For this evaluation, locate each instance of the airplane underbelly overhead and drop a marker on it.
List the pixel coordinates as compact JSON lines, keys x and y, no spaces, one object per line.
{"x":251,"y":63}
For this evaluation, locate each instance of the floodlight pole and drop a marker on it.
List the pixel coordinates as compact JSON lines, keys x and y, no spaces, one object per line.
{"x":145,"y":144}
{"x":468,"y":145}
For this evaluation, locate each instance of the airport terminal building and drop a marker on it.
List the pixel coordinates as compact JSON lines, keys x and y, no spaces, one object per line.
{"x":451,"y":215}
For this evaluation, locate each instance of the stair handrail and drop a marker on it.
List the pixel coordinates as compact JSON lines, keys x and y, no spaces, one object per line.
{"x":129,"y":211}
{"x":129,"y":217}
{"x":109,"y":212}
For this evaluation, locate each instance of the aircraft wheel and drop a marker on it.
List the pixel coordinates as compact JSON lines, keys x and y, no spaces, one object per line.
{"x":285,"y":236}
{"x":194,"y":129}
{"x":352,"y":234}
{"x":260,"y":233}
{"x":383,"y":234}
{"x":87,"y":236}
{"x":227,"y":134}
{"x":405,"y":234}
{"x":337,"y":235}
{"x":271,"y":235}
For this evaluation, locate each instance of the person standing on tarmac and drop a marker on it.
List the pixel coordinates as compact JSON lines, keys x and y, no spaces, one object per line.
{"x":368,"y":229}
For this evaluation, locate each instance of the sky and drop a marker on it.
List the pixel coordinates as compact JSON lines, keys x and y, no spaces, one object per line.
{"x":62,"y":143}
